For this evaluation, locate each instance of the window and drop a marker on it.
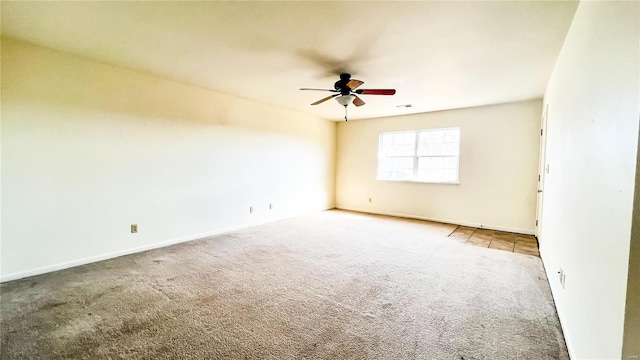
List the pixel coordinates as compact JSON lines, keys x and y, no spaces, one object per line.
{"x":430,"y":155}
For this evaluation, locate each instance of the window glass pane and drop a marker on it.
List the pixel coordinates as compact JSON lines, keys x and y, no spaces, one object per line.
{"x":435,"y":175}
{"x":436,"y":162}
{"x":438,"y":137}
{"x":398,"y":144}
{"x":437,"y":169}
{"x":452,"y":136}
{"x":424,"y":163}
{"x":450,"y":149}
{"x":401,"y":174}
{"x":396,"y":168}
{"x":409,"y":149}
{"x":451,"y":162}
{"x":438,"y":142}
{"x":426,"y":136}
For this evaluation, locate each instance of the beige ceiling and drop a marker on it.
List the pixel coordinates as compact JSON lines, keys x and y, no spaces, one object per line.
{"x":438,"y":55}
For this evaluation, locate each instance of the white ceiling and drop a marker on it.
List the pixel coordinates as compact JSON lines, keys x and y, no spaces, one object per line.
{"x":438,"y":55}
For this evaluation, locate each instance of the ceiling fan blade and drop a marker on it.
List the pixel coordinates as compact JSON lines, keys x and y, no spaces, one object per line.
{"x":376,"y":91}
{"x":357,"y":101}
{"x":353,"y":84}
{"x":319,"y":89}
{"x":325,"y":99}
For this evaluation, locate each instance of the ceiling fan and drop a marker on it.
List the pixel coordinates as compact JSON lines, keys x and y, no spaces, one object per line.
{"x":346,"y":93}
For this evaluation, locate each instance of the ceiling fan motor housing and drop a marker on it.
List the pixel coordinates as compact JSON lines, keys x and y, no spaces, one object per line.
{"x":341,"y":85}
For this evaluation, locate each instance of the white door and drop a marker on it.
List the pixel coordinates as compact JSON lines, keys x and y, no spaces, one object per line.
{"x":542,"y":169}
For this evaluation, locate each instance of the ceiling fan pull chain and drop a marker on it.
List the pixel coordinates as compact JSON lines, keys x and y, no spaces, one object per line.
{"x":345,"y":113}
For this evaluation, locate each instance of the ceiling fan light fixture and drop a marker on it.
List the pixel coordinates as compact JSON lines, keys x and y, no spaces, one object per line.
{"x":345,"y":100}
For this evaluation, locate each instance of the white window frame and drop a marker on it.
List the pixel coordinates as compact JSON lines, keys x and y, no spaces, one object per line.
{"x":416,"y":157}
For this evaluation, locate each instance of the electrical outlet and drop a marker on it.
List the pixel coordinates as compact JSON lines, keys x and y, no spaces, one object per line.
{"x":251,"y":209}
{"x":562,"y":277}
{"x":134,"y":228}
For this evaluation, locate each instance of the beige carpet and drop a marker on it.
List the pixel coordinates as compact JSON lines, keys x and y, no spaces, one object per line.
{"x":333,"y":285}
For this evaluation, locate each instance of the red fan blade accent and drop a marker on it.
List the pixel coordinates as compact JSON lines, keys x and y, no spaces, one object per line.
{"x":357,"y":101}
{"x":377,"y":91}
{"x":325,"y":99}
{"x":319,"y":89}
{"x":353,"y":84}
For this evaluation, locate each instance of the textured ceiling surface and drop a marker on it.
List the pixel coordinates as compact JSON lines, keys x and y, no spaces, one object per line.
{"x":438,"y":55}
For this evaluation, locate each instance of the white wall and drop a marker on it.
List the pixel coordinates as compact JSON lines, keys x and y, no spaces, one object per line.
{"x":498,"y":168}
{"x":89,"y":148}
{"x":591,"y":152}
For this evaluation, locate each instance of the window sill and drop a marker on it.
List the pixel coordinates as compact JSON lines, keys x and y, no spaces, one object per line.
{"x":424,"y":182}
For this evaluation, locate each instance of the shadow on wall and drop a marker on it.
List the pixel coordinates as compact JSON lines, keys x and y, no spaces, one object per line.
{"x":117,"y":90}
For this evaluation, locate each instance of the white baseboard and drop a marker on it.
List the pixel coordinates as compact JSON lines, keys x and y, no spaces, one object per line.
{"x":111,"y":255}
{"x":445,"y":221}
{"x":553,"y":275}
